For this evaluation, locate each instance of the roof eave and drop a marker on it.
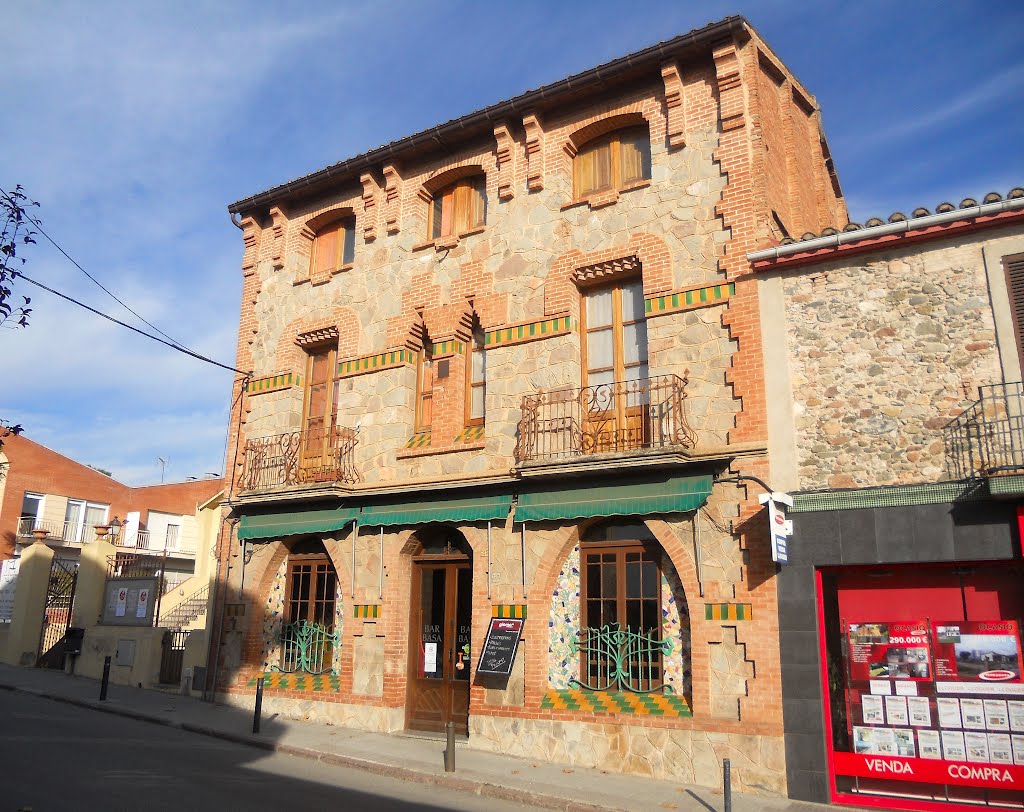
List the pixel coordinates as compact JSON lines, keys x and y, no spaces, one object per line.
{"x":652,"y":56}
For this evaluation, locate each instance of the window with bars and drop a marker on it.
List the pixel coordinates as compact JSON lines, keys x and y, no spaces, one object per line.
{"x":334,"y":247}
{"x":459,"y":208}
{"x":621,"y":622}
{"x":613,"y":161}
{"x":312,"y":585}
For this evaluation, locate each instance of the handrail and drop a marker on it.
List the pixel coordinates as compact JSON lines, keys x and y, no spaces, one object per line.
{"x":300,"y":458}
{"x":987,"y":438}
{"x":648,"y":413}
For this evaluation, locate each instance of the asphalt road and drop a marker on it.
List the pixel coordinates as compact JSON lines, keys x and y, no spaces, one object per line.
{"x":59,"y":757}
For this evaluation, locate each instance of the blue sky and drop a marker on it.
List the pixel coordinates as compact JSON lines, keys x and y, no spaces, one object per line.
{"x":134,"y":125}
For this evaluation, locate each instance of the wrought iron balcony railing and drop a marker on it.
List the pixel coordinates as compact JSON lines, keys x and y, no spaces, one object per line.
{"x":300,"y":458}
{"x":66,"y":532}
{"x":617,"y":417}
{"x":988,"y":438}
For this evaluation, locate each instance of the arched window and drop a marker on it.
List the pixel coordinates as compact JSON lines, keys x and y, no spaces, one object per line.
{"x":612,"y":161}
{"x":476,"y":377}
{"x":308,"y":638}
{"x":620,"y":591}
{"x":459,"y":207}
{"x":334,"y":246}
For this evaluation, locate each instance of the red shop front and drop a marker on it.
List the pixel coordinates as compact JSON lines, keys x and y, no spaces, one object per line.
{"x":924,"y":692}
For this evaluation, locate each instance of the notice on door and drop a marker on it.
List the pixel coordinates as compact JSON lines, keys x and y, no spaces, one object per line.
{"x":430,"y":658}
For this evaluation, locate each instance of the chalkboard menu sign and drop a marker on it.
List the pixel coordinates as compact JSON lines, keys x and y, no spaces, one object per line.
{"x":500,"y":646}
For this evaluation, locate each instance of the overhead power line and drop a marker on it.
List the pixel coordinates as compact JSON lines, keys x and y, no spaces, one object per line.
{"x":39,"y":227}
{"x":171,"y":344}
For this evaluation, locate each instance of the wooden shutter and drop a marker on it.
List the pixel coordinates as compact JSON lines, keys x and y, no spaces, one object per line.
{"x":636,"y":155}
{"x":1014,"y":266}
{"x":325,"y":250}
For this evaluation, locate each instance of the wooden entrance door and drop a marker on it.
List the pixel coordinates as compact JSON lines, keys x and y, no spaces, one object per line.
{"x":439,"y":666}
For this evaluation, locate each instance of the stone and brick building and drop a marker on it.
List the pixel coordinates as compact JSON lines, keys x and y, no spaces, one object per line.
{"x":512,"y":367}
{"x":894,"y":409}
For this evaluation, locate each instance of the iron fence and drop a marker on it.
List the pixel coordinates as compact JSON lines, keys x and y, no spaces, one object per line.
{"x":300,"y":458}
{"x":988,"y":438}
{"x":133,"y":565}
{"x":648,"y":413}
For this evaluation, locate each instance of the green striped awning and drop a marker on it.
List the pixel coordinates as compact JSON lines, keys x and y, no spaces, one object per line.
{"x":474,"y":509}
{"x":666,"y":495}
{"x":269,"y":525}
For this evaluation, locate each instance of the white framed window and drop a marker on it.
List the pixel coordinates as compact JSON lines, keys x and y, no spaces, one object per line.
{"x":81,"y":518}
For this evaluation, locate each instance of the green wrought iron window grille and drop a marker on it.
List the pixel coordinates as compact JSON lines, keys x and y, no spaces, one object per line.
{"x":616,"y":659}
{"x":307,"y":648}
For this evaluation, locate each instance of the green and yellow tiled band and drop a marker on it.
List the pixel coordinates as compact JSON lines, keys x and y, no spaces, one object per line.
{"x":727,"y":611}
{"x":449,"y":347}
{"x":510,"y":610}
{"x":273,"y":383}
{"x":470,"y":434}
{"x":234,"y":610}
{"x":366,"y":610}
{"x":369,"y":363}
{"x":526,"y":332}
{"x":688,"y":299}
{"x":321,"y":683}
{"x":421,"y":440}
{"x":574,"y":699}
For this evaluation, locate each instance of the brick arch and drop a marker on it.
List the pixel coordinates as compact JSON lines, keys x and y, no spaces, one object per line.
{"x":289,"y":356}
{"x":602,"y":126}
{"x":450,"y":173}
{"x":324,"y":218}
{"x":561,"y":291}
{"x":681,"y":556}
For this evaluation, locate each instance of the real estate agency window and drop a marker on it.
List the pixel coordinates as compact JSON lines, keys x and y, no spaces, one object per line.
{"x":459,"y":208}
{"x":620,"y":589}
{"x":615,"y":331}
{"x":334,"y":246}
{"x":476,"y":377}
{"x":613,"y":161}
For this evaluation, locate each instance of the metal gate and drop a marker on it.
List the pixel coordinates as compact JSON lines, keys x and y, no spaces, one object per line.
{"x":60,"y":600}
{"x":172,"y":655}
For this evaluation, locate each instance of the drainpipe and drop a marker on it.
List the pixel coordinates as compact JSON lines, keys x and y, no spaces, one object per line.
{"x":845,"y":237}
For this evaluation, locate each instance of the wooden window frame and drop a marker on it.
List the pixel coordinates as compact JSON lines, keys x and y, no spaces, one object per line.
{"x":314,"y":560}
{"x":476,"y":345}
{"x":618,"y":353}
{"x":621,"y":549}
{"x":345,"y":226}
{"x":424,"y":362}
{"x":331,"y":405}
{"x":461,"y":192}
{"x":613,"y":142}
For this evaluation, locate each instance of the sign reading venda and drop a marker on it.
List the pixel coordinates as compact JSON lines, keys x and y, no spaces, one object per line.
{"x":928,"y":771}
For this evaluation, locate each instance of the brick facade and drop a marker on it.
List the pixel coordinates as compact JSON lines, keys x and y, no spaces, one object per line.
{"x":732,"y":153}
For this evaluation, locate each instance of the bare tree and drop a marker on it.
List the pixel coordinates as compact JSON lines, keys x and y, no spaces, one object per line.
{"x":16,"y":232}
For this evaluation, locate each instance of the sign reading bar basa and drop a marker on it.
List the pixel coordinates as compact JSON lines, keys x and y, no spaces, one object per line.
{"x":889,"y":651}
{"x":977,"y":651}
{"x":500,"y":646}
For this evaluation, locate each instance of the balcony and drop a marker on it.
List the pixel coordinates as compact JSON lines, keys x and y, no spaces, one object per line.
{"x":300,"y":458}
{"x":64,"y":532}
{"x":625,"y":417}
{"x":170,"y":543}
{"x":987,"y":440}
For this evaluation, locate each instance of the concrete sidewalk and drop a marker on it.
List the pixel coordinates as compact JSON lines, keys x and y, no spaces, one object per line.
{"x":535,"y":783}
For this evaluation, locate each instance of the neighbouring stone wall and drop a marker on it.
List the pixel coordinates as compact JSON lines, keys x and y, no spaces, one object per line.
{"x":884,"y":351}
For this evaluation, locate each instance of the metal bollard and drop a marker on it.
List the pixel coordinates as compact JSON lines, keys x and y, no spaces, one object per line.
{"x":106,"y":679}
{"x":727,"y":782}
{"x":259,"y":706}
{"x":449,"y":748}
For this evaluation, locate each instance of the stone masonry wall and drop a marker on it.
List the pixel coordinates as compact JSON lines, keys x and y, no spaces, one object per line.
{"x":885,"y":350}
